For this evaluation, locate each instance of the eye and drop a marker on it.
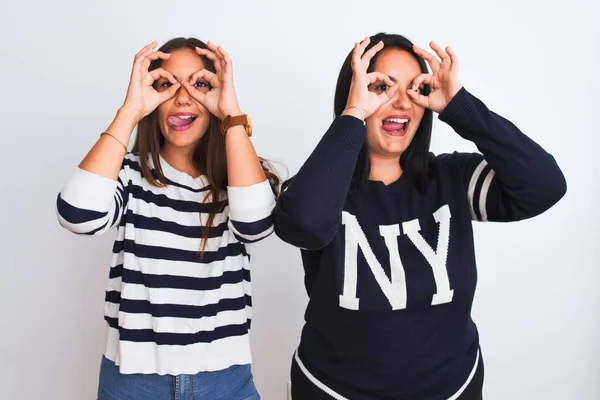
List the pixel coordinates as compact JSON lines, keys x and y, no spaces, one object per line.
{"x":420,"y":89}
{"x":378,"y":87}
{"x":163,"y":85}
{"x":203,"y":86}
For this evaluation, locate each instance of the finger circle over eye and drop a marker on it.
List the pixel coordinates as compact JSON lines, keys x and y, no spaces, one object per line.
{"x":391,"y":91}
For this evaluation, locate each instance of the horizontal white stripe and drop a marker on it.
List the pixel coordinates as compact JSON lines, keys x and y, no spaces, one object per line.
{"x":191,"y":218}
{"x":174,"y":296}
{"x":171,"y":240}
{"x":178,"y":176}
{"x":114,"y":285}
{"x":261,"y":235}
{"x":172,"y":191}
{"x":252,"y":203}
{"x":183,"y":296}
{"x":90,"y":191}
{"x":112,"y":310}
{"x":175,"y":324}
{"x":86,"y":227}
{"x":182,"y":325}
{"x":150,"y":358}
{"x":184,"y":268}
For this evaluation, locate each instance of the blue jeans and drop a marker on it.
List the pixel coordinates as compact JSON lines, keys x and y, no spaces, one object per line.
{"x":233,"y":383}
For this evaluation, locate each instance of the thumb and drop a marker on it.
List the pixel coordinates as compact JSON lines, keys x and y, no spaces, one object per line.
{"x":170,"y":92}
{"x":194,"y":93}
{"x":418,"y":98}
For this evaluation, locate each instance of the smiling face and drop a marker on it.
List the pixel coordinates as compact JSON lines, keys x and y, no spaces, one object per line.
{"x":183,"y":121}
{"x":392,"y":127}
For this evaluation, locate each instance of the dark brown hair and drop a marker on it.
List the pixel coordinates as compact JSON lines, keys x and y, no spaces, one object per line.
{"x":209,"y":156}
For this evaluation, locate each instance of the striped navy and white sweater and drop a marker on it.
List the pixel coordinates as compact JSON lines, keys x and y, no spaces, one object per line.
{"x":168,"y":310}
{"x":390,"y":270}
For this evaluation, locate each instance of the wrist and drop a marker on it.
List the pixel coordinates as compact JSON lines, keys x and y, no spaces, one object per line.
{"x":123,"y":125}
{"x":231,"y":121}
{"x":234,"y":112}
{"x":354,"y":111}
{"x":453,"y":91}
{"x":128,"y":113}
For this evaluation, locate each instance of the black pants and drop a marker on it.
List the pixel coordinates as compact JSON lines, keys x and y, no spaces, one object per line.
{"x":304,"y":389}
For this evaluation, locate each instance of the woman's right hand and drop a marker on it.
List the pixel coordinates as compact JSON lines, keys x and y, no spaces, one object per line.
{"x":360,"y":97}
{"x":141,"y":97}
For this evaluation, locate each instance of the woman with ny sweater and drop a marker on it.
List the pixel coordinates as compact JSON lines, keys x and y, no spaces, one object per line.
{"x":186,"y":204}
{"x":385,"y":227}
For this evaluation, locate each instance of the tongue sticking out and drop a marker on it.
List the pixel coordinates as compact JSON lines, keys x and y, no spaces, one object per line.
{"x":177,"y":122}
{"x":394,"y":126}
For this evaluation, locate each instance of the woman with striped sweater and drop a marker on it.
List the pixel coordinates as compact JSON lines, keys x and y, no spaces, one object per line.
{"x":186,"y":203}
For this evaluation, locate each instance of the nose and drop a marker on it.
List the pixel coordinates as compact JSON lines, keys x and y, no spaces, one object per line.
{"x":182,"y":97}
{"x":401,"y":101}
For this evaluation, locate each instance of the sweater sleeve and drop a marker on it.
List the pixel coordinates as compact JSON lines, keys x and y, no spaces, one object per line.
{"x":309,"y":208}
{"x":513,"y":178}
{"x":251,"y":211}
{"x":91,"y":204}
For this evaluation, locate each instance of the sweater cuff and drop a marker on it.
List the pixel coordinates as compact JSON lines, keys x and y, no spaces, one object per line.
{"x":89,"y":191}
{"x":251,"y":203}
{"x":349,"y":130}
{"x":460,"y":110}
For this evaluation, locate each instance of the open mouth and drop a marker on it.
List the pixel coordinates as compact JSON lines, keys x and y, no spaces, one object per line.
{"x":181,"y":121}
{"x":396,"y":126}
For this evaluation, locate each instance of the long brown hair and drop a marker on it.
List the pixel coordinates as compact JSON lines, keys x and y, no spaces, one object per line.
{"x":209,"y":156}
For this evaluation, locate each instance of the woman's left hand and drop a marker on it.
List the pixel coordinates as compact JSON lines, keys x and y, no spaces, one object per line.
{"x":218,"y":93}
{"x":443,"y":79}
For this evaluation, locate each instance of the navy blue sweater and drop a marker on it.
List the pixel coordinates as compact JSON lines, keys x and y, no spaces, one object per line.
{"x":390,"y":270}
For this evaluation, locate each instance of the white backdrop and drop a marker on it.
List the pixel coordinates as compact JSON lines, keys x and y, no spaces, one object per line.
{"x":65,"y":69}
